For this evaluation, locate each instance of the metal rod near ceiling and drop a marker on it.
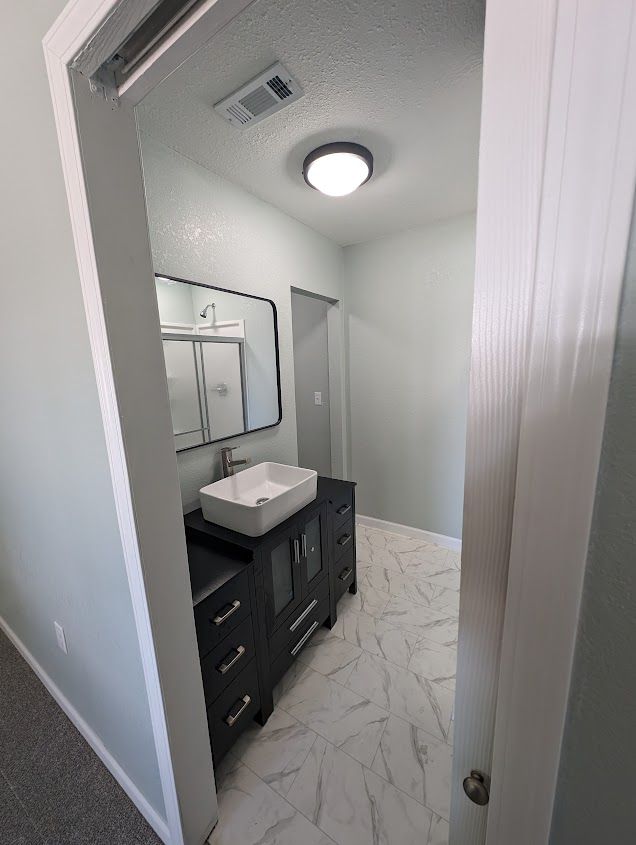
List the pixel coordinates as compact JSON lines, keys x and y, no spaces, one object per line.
{"x":150,"y":32}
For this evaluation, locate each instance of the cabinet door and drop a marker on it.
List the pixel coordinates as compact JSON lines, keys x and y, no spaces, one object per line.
{"x":314,"y":548}
{"x":282,"y":575}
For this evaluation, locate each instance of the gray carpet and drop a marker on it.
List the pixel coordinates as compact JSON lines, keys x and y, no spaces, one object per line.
{"x":53,"y":788}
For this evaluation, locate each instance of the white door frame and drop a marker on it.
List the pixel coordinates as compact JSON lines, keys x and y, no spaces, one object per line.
{"x":103,"y":177}
{"x":536,"y":428}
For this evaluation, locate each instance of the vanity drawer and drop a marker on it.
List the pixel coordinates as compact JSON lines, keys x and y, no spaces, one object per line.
{"x":296,"y":622}
{"x":299,"y":640}
{"x":233,"y":710}
{"x":227,"y":660}
{"x":343,"y":540}
{"x":345,"y":572}
{"x":221,"y":612}
{"x":341,"y":505}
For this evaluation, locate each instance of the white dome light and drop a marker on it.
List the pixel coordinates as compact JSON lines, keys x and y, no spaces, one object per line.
{"x":338,"y":169}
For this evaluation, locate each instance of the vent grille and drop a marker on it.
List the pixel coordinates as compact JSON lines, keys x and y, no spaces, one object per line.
{"x":277,"y":85}
{"x":239,"y":114}
{"x":263,"y":96}
{"x":258,"y":101}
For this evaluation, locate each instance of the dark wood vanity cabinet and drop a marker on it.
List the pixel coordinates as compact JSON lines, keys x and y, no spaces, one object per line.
{"x":259,"y":600}
{"x":282,"y":584}
{"x":294,"y":562}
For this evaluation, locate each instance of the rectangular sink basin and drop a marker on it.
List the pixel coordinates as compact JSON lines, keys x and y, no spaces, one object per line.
{"x":256,"y":500}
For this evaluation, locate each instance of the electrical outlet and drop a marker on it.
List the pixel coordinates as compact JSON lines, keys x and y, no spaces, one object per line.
{"x":317,"y":398}
{"x":60,"y":637}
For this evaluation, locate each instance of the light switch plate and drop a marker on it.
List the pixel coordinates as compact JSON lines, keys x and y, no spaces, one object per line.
{"x":317,"y":398}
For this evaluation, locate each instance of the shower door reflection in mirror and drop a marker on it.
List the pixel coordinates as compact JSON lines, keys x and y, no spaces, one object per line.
{"x":221,"y":356}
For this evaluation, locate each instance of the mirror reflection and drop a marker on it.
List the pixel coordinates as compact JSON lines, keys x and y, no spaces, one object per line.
{"x":221,"y":355}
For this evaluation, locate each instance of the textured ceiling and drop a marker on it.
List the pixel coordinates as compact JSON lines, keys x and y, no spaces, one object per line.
{"x":403,"y":78}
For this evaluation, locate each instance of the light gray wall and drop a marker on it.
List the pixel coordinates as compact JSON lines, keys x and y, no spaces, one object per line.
{"x":595,"y":796}
{"x":409,"y":301}
{"x":408,"y":322}
{"x":174,"y":302}
{"x":60,"y":551}
{"x":206,"y":229}
{"x":311,"y":367}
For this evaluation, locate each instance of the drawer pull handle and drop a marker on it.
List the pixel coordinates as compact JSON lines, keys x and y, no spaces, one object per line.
{"x":303,"y":540}
{"x":344,"y":575}
{"x":296,"y":551}
{"x":307,"y":610}
{"x":304,"y":639}
{"x":219,"y":620}
{"x":231,"y":718}
{"x":342,"y":541}
{"x":225,"y":666}
{"x":343,"y":509}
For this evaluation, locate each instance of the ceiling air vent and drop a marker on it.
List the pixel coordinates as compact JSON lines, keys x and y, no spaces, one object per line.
{"x":267,"y":93}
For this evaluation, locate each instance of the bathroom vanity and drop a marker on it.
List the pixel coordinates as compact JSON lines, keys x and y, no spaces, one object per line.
{"x":258,"y":601}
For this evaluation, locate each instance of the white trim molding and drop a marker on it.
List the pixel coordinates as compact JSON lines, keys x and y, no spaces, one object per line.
{"x":145,"y":808}
{"x":74,"y":27}
{"x":454,"y":544}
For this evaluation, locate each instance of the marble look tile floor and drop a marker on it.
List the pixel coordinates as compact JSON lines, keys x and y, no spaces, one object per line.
{"x":359,"y":748}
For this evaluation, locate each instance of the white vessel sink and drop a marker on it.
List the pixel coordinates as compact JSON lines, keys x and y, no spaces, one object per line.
{"x":255,"y":500}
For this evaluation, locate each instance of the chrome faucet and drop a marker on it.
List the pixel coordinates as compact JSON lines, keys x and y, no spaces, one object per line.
{"x":227,"y":464}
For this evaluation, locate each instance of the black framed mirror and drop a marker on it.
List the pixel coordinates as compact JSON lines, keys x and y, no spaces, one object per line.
{"x":222,"y":361}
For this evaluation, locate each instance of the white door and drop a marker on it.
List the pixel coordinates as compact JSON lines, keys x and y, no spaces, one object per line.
{"x":556,"y":180}
{"x":181,"y":371}
{"x":514,"y":117}
{"x":224,"y":388}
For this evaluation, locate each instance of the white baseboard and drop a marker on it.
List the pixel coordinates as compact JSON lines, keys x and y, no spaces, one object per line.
{"x":452,"y":543}
{"x":148,"y":812}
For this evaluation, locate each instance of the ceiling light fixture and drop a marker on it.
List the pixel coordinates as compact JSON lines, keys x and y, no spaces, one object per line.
{"x":338,"y":169}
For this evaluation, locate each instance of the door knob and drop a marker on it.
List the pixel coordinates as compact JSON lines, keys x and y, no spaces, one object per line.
{"x":476,"y":788}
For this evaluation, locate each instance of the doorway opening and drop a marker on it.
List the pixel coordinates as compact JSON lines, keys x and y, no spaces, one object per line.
{"x":372,"y":294}
{"x":316,"y":364}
